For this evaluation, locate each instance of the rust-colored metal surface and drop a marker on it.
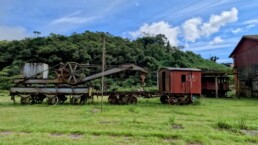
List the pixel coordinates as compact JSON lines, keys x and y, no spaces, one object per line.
{"x":180,"y":81}
{"x":118,"y":69}
{"x":190,"y":85}
{"x":179,"y":85}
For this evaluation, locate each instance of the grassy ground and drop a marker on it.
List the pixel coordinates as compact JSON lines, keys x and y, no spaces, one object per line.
{"x":215,"y":121}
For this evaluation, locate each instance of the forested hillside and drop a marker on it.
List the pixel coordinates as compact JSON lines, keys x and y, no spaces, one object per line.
{"x":151,"y":52}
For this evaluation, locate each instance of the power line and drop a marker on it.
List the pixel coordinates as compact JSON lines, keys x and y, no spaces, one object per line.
{"x":147,"y":18}
{"x":129,"y":28}
{"x":194,"y":11}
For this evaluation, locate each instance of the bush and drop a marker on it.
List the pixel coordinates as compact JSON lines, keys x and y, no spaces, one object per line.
{"x":222,"y":124}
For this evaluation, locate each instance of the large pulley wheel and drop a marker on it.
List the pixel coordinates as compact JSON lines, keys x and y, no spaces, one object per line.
{"x":72,"y":73}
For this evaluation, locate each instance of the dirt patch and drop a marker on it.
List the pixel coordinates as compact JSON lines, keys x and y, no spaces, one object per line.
{"x":76,"y":136}
{"x":194,"y":144}
{"x":95,"y":136}
{"x":177,"y":126}
{"x":24,"y":132}
{"x":127,"y":138}
{"x":95,"y":110}
{"x":56,"y":134}
{"x":167,"y":140}
{"x":6,"y":132}
{"x":249,"y":132}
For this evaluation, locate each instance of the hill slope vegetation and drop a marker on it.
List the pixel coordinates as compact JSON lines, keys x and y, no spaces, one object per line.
{"x":150,"y":52}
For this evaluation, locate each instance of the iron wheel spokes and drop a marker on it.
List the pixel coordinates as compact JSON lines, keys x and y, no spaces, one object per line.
{"x":74,"y":72}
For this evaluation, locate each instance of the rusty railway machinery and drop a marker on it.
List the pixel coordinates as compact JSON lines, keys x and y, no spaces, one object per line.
{"x":35,"y":85}
{"x":179,"y":85}
{"x":176,"y":85}
{"x":54,"y":95}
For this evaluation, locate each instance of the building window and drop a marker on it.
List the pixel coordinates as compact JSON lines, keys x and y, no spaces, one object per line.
{"x":183,"y":78}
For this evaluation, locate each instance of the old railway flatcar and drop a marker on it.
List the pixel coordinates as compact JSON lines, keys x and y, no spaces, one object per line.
{"x":179,"y":85}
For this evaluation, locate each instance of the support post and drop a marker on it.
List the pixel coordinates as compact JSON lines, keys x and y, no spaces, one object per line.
{"x":216,"y":87}
{"x":103,"y":69}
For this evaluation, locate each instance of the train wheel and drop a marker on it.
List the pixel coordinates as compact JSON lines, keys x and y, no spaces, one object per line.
{"x":26,"y":100}
{"x":172,"y":101}
{"x":132,"y":100}
{"x":61,"y":98}
{"x":40,"y":98}
{"x":30,"y":100}
{"x":188,"y":100}
{"x":181,"y":101}
{"x":83,"y":99}
{"x":113,"y":100}
{"x":164,"y":99}
{"x":75,"y":100}
{"x":53,"y":100}
{"x":125,"y":99}
{"x":23,"y":100}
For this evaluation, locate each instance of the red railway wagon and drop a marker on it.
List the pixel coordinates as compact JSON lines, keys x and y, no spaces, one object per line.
{"x":179,"y":85}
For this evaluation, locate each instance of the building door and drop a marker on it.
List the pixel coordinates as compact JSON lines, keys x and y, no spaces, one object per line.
{"x":163,"y":81}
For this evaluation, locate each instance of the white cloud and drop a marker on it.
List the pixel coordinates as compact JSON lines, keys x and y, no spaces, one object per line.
{"x":237,"y":30}
{"x":158,"y":28}
{"x":206,"y":47}
{"x":195,"y":28}
{"x":12,"y":33}
{"x":250,"y":26}
{"x":191,"y":29}
{"x":73,"y":18}
{"x":249,"y":22}
{"x":217,"y":21}
{"x":216,"y":40}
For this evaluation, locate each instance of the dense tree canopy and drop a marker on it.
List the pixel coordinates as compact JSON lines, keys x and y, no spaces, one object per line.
{"x":151,"y":52}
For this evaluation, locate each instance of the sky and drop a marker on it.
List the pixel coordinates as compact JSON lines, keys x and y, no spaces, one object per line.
{"x":206,"y":27}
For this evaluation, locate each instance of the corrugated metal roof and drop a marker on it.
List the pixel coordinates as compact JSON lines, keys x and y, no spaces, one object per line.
{"x":251,"y":36}
{"x":181,"y":69}
{"x":254,"y":37}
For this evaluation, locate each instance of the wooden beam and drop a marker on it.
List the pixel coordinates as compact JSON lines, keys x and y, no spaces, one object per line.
{"x":216,"y":87}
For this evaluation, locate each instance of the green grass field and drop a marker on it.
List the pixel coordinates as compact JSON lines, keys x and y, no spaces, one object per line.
{"x":214,"y":121}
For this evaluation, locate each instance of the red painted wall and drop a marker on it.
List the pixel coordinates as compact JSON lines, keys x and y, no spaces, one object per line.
{"x":191,"y":85}
{"x":208,"y":83}
{"x":246,"y":54}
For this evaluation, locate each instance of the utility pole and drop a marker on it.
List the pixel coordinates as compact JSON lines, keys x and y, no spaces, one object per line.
{"x":103,"y":69}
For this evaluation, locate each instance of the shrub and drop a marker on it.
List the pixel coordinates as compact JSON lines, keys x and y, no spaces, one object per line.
{"x":222,"y":124}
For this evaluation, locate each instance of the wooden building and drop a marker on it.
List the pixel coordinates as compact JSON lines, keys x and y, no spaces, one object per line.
{"x":245,"y":58}
{"x":215,"y":84}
